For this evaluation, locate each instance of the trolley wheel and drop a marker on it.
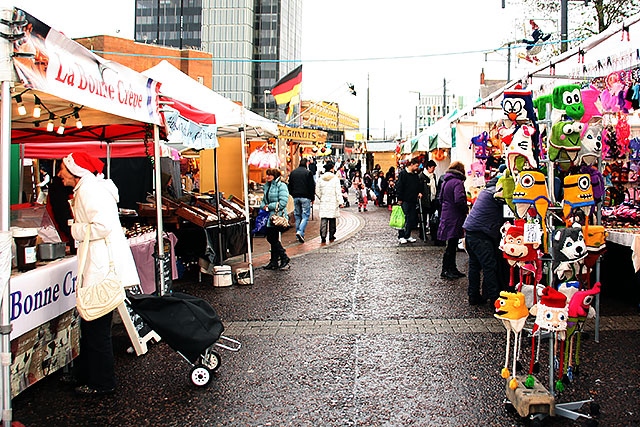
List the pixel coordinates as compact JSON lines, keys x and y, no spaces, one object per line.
{"x":594,"y":409}
{"x":536,"y":422}
{"x":200,"y":375}
{"x":213,"y":360}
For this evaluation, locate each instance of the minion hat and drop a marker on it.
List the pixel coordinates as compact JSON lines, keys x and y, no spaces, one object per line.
{"x":81,"y":164}
{"x":577,"y":193}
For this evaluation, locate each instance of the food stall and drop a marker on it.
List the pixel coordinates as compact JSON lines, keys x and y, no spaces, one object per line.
{"x":223,"y":168}
{"x":48,"y":82}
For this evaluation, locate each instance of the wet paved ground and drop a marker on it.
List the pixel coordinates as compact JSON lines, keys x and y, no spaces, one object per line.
{"x":362,"y":332}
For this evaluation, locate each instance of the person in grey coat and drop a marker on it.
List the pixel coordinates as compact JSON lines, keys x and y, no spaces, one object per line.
{"x":453,"y":200}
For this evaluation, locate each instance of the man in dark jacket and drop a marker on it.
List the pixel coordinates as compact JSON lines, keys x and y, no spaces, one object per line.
{"x":408,"y":193}
{"x":482,"y":237}
{"x":302,"y":188}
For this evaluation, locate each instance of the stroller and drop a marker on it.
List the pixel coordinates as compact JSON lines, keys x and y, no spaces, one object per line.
{"x":190,"y":326}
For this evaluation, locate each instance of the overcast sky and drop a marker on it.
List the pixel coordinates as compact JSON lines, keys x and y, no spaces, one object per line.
{"x":410,"y":47}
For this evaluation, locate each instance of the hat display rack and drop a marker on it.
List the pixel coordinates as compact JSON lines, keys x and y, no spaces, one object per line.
{"x":554,"y":186}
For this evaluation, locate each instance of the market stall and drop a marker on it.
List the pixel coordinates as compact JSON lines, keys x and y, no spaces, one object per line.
{"x":567,"y":136}
{"x":48,"y":83}
{"x":223,"y":167}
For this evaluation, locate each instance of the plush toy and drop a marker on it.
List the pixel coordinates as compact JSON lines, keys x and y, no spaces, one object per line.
{"x":591,"y":102}
{"x":531,"y":189}
{"x":512,"y":311}
{"x":534,"y":45}
{"x":577,"y":194}
{"x":519,"y":153}
{"x":567,"y":103}
{"x":568,"y":249}
{"x":579,"y":310}
{"x":565,"y":142}
{"x":481,"y":145}
{"x":591,"y":142}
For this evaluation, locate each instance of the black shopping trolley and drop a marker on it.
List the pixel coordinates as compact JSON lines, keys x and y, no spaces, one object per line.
{"x":190,"y":326}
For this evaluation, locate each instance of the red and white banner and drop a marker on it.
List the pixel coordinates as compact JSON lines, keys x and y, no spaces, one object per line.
{"x":48,"y":61}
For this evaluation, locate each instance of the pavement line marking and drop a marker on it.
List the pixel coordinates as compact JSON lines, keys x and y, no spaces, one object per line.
{"x":399,"y":326}
{"x":356,"y":281}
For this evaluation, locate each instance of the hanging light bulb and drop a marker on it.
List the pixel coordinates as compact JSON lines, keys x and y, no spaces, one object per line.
{"x":77,"y":117}
{"x":63,"y":121}
{"x":21,"y":108}
{"x":37,"y":108}
{"x":50,"y":123}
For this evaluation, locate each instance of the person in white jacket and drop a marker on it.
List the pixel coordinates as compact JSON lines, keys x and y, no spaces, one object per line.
{"x":94,"y":204}
{"x":330,"y":199}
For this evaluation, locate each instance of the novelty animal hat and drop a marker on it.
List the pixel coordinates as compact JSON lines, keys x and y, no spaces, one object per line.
{"x":513,"y":244}
{"x":531,"y":189}
{"x":504,"y":189}
{"x":591,"y":142}
{"x":577,"y":194}
{"x":512,"y":311}
{"x":540,"y":103}
{"x":565,"y":142}
{"x":591,"y":102}
{"x":552,"y":311}
{"x":517,"y":105}
{"x":567,"y":102}
{"x":519,"y":153}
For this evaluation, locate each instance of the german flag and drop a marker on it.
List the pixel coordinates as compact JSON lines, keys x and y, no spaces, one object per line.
{"x":287,"y":87}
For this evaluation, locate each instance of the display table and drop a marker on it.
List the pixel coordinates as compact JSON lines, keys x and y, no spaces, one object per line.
{"x":143,"y":247}
{"x":627,"y":237}
{"x":46,"y":330}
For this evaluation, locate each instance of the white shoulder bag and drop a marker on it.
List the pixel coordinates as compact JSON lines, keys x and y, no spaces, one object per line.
{"x":96,"y":300}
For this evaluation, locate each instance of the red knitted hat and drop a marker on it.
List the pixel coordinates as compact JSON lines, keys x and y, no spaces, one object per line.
{"x":552,"y":298}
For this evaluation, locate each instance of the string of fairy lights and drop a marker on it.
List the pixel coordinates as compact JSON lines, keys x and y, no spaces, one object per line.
{"x":41,"y":113}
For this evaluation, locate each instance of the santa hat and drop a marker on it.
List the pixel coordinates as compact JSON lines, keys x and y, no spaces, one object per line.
{"x":552,"y":298}
{"x":81,"y":164}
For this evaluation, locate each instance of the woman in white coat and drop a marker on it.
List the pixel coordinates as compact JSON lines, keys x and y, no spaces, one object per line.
{"x":95,"y":213}
{"x":330,"y":199}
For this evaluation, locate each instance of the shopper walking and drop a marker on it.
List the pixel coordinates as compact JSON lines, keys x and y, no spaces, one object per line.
{"x":95,"y":213}
{"x":453,"y":201}
{"x":302,"y":187}
{"x":428,"y":189}
{"x":276,"y":196}
{"x":482,"y":237}
{"x":330,"y":200}
{"x":408,"y":193}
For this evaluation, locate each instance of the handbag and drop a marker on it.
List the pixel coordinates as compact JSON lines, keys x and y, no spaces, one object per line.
{"x":278,"y":221}
{"x":261,"y":222}
{"x":96,"y":300}
{"x":397,"y":218}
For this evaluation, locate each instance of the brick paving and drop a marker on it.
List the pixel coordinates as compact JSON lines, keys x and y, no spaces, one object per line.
{"x":396,"y":326}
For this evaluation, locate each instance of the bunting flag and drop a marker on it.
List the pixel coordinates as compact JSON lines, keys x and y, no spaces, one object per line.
{"x":287,"y":87}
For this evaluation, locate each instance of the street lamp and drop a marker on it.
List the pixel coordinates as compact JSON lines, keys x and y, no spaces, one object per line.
{"x":417,"y":109}
{"x":264,"y":101}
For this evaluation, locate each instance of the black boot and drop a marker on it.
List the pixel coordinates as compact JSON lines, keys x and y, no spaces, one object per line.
{"x":446,"y":274}
{"x":273,"y":265}
{"x":284,"y":262}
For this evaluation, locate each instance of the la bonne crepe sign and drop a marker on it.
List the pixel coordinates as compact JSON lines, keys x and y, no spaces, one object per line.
{"x":50,"y":62}
{"x":300,"y":134}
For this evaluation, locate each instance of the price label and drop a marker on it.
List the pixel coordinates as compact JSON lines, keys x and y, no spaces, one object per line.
{"x":532,"y":232}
